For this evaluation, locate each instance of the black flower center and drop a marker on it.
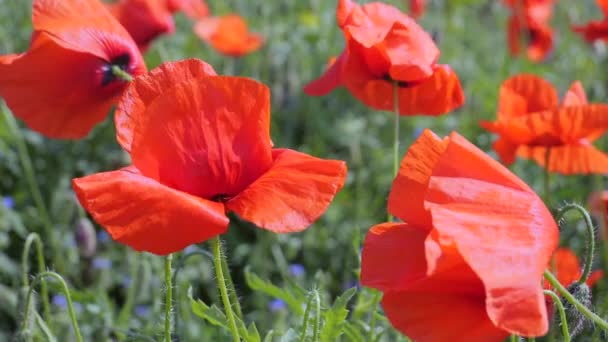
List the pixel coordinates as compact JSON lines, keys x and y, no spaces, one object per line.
{"x":400,"y":84}
{"x":108,"y":75}
{"x":221,"y":198}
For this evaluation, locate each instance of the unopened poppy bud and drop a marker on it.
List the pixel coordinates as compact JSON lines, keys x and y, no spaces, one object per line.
{"x":86,"y":239}
{"x":577,"y":322}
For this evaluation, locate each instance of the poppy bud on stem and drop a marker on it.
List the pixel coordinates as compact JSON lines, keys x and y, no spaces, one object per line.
{"x":590,"y":236}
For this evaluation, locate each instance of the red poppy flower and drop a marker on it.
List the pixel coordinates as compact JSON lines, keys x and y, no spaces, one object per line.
{"x":145,"y":20}
{"x":384,"y":46}
{"x":595,"y":29}
{"x":530,"y":121}
{"x":417,"y":8}
{"x":64,"y":84}
{"x":470,"y":251}
{"x":228,"y":34}
{"x":200,"y":147}
{"x":529,"y":22}
{"x":195,"y":9}
{"x":567,"y":269}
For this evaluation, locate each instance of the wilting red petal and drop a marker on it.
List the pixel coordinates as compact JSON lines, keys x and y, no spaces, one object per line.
{"x":145,"y":20}
{"x":526,"y":93}
{"x":406,"y":199}
{"x":36,"y":85}
{"x":329,"y":80}
{"x":146,"y":215}
{"x":293,"y":193}
{"x":571,"y":159}
{"x":150,"y":86}
{"x":575,"y":96}
{"x":565,"y":266}
{"x":228,"y":34}
{"x":498,"y":225}
{"x":423,"y":316}
{"x":229,"y":148}
{"x":85,"y":26}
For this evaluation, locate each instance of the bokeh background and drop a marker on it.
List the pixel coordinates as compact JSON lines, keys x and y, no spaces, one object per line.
{"x":300,"y":36}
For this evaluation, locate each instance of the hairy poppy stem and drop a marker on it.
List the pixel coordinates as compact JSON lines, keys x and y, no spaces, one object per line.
{"x":221,"y":284}
{"x":562,"y":314}
{"x":34,"y":238}
{"x":396,"y":134}
{"x":590,"y":237}
{"x":168,"y":297}
{"x":578,"y":305}
{"x":66,"y":293}
{"x":123,"y":75}
{"x":231,"y":289}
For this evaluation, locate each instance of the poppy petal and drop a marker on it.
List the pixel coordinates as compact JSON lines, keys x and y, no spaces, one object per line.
{"x":330,"y":80}
{"x":418,"y":316}
{"x":85,"y":26}
{"x":565,"y":266}
{"x":593,"y":30}
{"x":594,"y":277}
{"x":575,"y":96}
{"x":498,"y":224}
{"x":393,"y":255}
{"x":228,"y":150}
{"x":411,"y":50}
{"x":568,"y":159}
{"x":50,"y":111}
{"x":146,"y":88}
{"x":292,"y":194}
{"x":146,"y":215}
{"x":541,"y":43}
{"x":406,"y":199}
{"x":524,"y":94}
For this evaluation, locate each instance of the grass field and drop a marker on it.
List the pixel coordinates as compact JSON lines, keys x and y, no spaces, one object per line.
{"x":119,"y":292}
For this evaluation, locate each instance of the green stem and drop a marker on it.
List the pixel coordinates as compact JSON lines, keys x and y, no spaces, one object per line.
{"x":231,"y":289}
{"x":317,"y":318}
{"x":221,"y":283}
{"x":395,"y":135}
{"x":513,"y":338}
{"x":547,"y":178}
{"x":372,"y":323}
{"x":168,"y":297}
{"x":35,"y":238}
{"x":28,"y":170}
{"x":305,"y":318}
{"x":125,"y":311}
{"x":570,"y":298}
{"x":66,"y":293}
{"x":123,"y":75}
{"x":562,"y":314}
{"x":590,"y":236}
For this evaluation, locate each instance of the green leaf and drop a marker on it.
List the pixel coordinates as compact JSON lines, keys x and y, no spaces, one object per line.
{"x":354,"y":333}
{"x":258,"y":284}
{"x":269,"y":336}
{"x":336,"y":316}
{"x":211,"y":314}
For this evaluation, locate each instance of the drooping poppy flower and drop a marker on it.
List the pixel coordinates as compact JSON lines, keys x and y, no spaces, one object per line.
{"x":145,"y":20}
{"x":228,"y":34}
{"x":567,"y":268}
{"x":529,"y":23}
{"x":201,"y":147}
{"x":194,"y":9}
{"x":384,"y":47}
{"x":417,"y":8}
{"x":531,"y":121}
{"x":65,"y":84}
{"x":470,"y":251}
{"x":595,"y":29}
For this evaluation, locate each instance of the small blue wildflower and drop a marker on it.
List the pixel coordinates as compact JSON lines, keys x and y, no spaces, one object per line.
{"x":126,"y":281}
{"x":102,"y":236}
{"x":297,"y":270}
{"x":60,"y":301}
{"x":142,"y":310}
{"x":102,"y":263}
{"x":418,"y":131}
{"x":276,"y":305}
{"x":8,"y":202}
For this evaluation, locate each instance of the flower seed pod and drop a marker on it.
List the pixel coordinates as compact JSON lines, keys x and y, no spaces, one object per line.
{"x":86,"y":238}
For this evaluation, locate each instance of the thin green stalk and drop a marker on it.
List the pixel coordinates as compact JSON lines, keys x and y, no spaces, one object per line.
{"x":221,"y":283}
{"x":123,"y":75}
{"x":168,"y":297}
{"x":513,"y":338}
{"x":305,"y":319}
{"x":570,"y":298}
{"x":317,"y":319}
{"x":395,"y":135}
{"x":231,"y":289}
{"x":125,"y":311}
{"x":66,"y":293}
{"x":44,"y":328}
{"x":590,"y":237}
{"x":372,"y":323}
{"x":547,"y":179}
{"x":531,"y":339}
{"x":562,"y":314}
{"x":35,"y":238}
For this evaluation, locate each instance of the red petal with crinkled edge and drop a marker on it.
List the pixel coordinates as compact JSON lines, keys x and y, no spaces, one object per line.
{"x":393,"y":256}
{"x":85,"y":26}
{"x":146,"y":215}
{"x":292,"y":194}
{"x":34,"y":86}
{"x":330,"y":79}
{"x":146,"y":88}
{"x":208,"y":137}
{"x":582,"y":158}
{"x":406,"y":199}
{"x":501,"y":228}
{"x":525,"y":93}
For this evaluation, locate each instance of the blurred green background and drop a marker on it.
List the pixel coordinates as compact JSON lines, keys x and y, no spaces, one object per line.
{"x":300,"y":36}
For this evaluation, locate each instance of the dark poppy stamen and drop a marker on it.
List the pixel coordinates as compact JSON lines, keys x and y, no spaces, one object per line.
{"x":532,"y":35}
{"x":122,"y":62}
{"x":400,"y":84}
{"x":222,"y":198}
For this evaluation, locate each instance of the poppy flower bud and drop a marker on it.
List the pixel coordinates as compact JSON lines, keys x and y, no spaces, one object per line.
{"x":577,"y":322}
{"x":86,"y":239}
